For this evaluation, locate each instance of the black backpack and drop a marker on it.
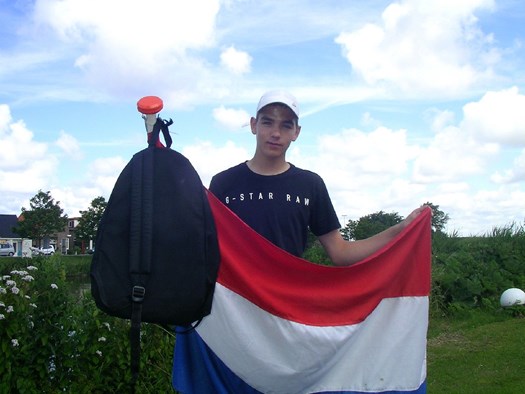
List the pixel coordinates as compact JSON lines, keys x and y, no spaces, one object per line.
{"x":156,"y":252}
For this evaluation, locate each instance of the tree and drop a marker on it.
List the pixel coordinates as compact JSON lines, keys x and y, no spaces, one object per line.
{"x":89,"y":220}
{"x":44,"y":219}
{"x":439,"y":218}
{"x":370,"y":225}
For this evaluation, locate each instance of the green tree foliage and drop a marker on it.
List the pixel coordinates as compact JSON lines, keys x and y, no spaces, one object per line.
{"x":44,"y":218}
{"x":374,"y":223}
{"x":370,"y":225}
{"x":89,"y":220}
{"x":439,"y":218}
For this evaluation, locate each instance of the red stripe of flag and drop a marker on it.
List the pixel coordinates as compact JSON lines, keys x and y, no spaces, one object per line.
{"x":294,"y":289}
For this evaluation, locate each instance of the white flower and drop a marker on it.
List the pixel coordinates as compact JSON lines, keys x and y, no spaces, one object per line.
{"x":71,"y":333}
{"x":102,"y":339}
{"x":32,"y":268}
{"x":99,"y":353}
{"x":10,"y":309}
{"x":2,"y":317}
{"x":14,"y":342}
{"x":106,"y":324}
{"x":28,"y":278}
{"x":32,"y":305}
{"x":2,"y":290}
{"x":14,"y":272}
{"x":31,"y":324}
{"x":5,"y":277}
{"x":10,"y":283}
{"x":2,"y":304}
{"x":15,"y":290}
{"x":52,"y":366}
{"x":53,"y":286}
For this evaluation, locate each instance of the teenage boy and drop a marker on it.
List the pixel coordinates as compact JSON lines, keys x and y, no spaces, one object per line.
{"x":281,"y":201}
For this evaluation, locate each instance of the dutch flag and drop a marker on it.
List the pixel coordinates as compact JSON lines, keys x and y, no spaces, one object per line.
{"x":280,"y":324}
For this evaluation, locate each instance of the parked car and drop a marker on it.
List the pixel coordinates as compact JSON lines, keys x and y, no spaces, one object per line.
{"x":47,"y":251}
{"x":44,"y":251}
{"x":6,"y":249}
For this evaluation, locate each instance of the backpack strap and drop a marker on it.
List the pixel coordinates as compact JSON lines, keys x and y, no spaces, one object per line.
{"x":161,"y":125}
{"x":140,"y":249}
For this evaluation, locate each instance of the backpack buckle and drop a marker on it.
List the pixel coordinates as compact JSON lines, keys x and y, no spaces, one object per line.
{"x":137,"y":294}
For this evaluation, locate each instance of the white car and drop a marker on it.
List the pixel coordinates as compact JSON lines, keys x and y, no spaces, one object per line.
{"x":6,"y":249}
{"x":47,"y":251}
{"x":44,"y":251}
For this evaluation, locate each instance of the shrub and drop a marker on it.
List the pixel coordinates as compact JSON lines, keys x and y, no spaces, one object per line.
{"x":472,"y":272}
{"x":53,"y":339}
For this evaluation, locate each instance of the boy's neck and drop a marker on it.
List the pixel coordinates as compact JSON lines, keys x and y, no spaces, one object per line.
{"x":267,"y":167}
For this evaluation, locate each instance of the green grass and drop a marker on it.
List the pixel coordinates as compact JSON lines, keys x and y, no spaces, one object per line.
{"x":479,"y":354}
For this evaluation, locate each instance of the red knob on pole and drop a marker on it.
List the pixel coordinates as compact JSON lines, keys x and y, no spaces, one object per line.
{"x":150,"y":105}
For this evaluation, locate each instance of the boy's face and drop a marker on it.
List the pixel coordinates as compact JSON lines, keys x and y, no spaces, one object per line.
{"x":275,"y":128}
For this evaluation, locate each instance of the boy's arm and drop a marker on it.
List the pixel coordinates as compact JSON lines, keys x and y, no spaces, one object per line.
{"x":345,"y":253}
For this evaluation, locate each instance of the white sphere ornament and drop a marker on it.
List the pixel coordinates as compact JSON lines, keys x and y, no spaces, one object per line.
{"x":511,"y":297}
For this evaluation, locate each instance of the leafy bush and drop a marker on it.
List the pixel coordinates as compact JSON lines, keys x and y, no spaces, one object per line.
{"x":53,"y":339}
{"x":474,"y":271}
{"x":317,"y":254}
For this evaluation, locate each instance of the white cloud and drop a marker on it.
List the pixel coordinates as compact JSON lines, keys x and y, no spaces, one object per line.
{"x":440,"y":119}
{"x":496,"y":120}
{"x":381,"y":153}
{"x":25,"y":164}
{"x":108,"y":165}
{"x":368,"y":120}
{"x":232,"y":119}
{"x":122,"y":41}
{"x":69,"y":144}
{"x":452,"y":155}
{"x":364,"y":171}
{"x":514,"y":174}
{"x":238,"y":62}
{"x":99,"y":180}
{"x":16,"y":62}
{"x":143,"y":29}
{"x":209,"y":159}
{"x":5,"y":118}
{"x":489,"y":125}
{"x":497,"y":117}
{"x":423,"y":46}
{"x":497,"y":208}
{"x":21,"y":170}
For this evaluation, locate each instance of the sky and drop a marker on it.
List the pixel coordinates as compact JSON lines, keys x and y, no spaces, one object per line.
{"x":401,"y":102}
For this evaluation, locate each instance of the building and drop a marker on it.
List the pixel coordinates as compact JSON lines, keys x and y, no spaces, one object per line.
{"x":65,"y":240}
{"x":22,"y":246}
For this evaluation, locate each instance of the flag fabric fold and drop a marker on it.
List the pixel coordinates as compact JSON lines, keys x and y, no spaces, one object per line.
{"x":280,"y":324}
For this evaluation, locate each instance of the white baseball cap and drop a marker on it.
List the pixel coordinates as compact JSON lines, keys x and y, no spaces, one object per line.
{"x":279,"y":96}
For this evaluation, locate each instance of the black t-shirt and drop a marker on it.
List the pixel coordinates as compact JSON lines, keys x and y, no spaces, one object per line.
{"x":279,"y":207}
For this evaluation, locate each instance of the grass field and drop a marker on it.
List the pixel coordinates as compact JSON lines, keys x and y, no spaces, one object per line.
{"x":477,"y":354}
